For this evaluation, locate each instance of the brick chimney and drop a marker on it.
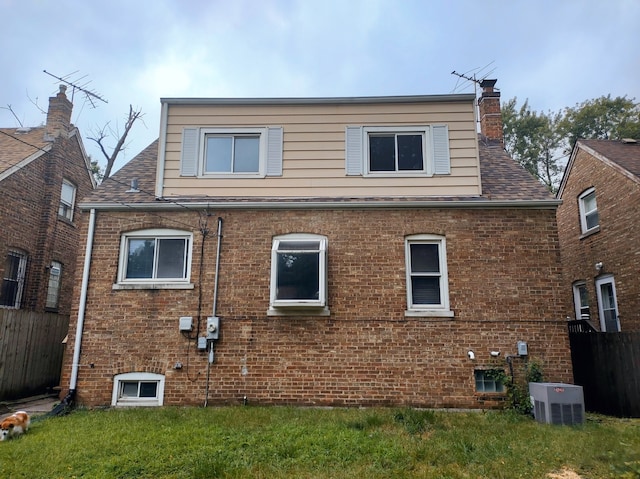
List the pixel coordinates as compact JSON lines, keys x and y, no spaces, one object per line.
{"x":59,"y":114}
{"x":490,"y":116}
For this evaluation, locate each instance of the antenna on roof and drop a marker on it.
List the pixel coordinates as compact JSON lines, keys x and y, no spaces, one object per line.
{"x":477,"y":77}
{"x":90,"y":95}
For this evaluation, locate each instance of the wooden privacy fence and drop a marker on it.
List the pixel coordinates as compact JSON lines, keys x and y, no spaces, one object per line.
{"x":607,"y":366}
{"x":31,"y":352}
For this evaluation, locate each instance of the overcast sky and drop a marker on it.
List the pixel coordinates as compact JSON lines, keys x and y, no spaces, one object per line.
{"x":556,"y":53}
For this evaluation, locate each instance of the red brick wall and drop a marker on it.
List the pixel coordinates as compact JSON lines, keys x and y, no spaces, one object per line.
{"x":504,"y":282}
{"x":616,"y":245}
{"x":29,"y":200}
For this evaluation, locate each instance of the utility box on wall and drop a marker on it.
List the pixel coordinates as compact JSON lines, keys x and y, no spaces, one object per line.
{"x":557,"y":403}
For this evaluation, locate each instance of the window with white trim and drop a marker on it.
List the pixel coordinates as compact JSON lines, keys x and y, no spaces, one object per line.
{"x":427,"y":278}
{"x":155,"y":256}
{"x":248,"y":152}
{"x":589,"y":220}
{"x":53,"y":288}
{"x":67,"y":200}
{"x":15,"y":268}
{"x":421,"y":150}
{"x":581,"y":300}
{"x":299,"y":271}
{"x":138,"y":389}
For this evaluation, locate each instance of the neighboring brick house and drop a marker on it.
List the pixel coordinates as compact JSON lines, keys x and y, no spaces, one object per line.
{"x":43,"y":172}
{"x":357,"y":251}
{"x":599,"y":229}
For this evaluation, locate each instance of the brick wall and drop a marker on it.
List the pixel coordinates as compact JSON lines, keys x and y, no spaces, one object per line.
{"x":504,"y":283}
{"x":615,"y":245}
{"x":29,"y":200}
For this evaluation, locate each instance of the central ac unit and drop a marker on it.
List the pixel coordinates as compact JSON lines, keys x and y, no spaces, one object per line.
{"x":557,"y":403}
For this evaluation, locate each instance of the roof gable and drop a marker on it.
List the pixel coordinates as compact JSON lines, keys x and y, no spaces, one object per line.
{"x":19,"y":147}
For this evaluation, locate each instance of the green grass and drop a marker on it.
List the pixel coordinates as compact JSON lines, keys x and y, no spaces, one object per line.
{"x":279,"y":442}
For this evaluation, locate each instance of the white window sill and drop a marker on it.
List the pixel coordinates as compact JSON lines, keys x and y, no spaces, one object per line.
{"x":299,"y":311}
{"x":429,"y":313}
{"x":590,"y":232}
{"x":138,"y":403}
{"x":120,"y":286}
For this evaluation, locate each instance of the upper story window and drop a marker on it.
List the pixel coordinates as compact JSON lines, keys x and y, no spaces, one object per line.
{"x":299,"y":272}
{"x":231,"y":152}
{"x":397,"y":151}
{"x":67,"y":200}
{"x":155,"y":256}
{"x":589,"y":220}
{"x":581,"y":300}
{"x":15,"y":268}
{"x":53,"y":289}
{"x":427,"y":278}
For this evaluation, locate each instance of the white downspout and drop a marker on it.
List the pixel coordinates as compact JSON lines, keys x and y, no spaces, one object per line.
{"x":83,"y":302}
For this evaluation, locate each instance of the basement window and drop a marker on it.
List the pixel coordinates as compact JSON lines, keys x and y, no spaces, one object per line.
{"x":489,"y":380}
{"x":138,"y":389}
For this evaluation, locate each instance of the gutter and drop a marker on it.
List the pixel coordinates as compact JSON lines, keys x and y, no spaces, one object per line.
{"x":167,"y":204}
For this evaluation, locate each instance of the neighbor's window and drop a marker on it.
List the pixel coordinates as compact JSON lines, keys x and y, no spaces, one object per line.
{"x":299,"y":271}
{"x":53,"y":289}
{"x":67,"y":200}
{"x":427,"y":282}
{"x":589,"y":220}
{"x":15,"y":267}
{"x":138,"y":389}
{"x":155,"y":256}
{"x":489,"y":380}
{"x":401,"y":151}
{"x":581,"y":300}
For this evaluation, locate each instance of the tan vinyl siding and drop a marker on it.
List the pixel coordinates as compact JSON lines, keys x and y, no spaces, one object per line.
{"x":314,"y":149}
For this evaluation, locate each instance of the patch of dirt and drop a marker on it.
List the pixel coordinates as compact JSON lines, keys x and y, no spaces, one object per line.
{"x":564,"y":474}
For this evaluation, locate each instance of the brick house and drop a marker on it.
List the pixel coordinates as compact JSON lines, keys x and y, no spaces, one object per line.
{"x":599,"y":227}
{"x":43,"y":171}
{"x":317,"y":251}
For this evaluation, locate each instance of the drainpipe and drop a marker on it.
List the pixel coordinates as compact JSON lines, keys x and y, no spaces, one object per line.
{"x":215,"y":308}
{"x":83,"y":302}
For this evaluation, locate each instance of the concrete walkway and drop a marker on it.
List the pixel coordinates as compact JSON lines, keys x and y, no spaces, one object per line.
{"x":35,"y":406}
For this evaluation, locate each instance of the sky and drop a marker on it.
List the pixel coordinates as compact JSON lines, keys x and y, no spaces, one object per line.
{"x":553,"y":53}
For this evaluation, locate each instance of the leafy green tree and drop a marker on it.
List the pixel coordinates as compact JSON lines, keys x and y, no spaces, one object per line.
{"x":534,"y":140}
{"x":603,"y":118}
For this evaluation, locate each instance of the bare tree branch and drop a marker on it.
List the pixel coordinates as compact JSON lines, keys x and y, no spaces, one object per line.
{"x":100,"y":136}
{"x":8,"y":107}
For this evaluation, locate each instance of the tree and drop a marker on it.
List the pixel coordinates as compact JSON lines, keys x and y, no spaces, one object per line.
{"x":604,"y":118}
{"x":534,"y":140}
{"x":102,"y":134}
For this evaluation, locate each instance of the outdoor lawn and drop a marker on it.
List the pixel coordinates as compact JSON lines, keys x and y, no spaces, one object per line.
{"x":287,"y":442}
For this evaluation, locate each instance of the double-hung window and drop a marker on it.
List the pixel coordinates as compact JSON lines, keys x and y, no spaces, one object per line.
{"x":589,"y":220}
{"x":155,"y":256}
{"x":581,"y":300}
{"x":239,"y":152}
{"x":299,"y":272}
{"x":421,"y":150}
{"x":67,"y":200}
{"x":427,"y":279}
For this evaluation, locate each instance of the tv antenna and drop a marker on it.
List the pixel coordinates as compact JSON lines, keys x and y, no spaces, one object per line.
{"x":91,"y":95}
{"x":476,"y":77}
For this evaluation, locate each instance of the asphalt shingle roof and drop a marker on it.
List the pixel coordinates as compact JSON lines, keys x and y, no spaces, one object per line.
{"x":625,"y":155}
{"x":16,"y":145}
{"x":502,"y":180}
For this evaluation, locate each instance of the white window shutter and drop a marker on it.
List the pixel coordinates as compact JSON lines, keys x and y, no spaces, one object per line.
{"x":353,"y":146}
{"x":274,"y":151}
{"x":189,"y":158}
{"x":441,"y":158}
